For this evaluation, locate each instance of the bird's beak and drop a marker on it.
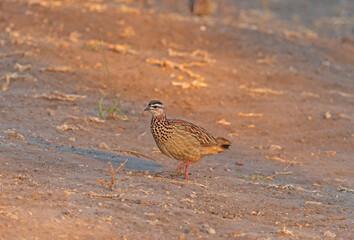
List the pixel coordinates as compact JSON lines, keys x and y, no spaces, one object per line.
{"x":147,"y":108}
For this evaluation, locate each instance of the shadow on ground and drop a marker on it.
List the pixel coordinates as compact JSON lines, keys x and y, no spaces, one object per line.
{"x":132,"y":163}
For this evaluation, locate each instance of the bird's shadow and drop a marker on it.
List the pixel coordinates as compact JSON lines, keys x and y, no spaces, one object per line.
{"x":133,"y":163}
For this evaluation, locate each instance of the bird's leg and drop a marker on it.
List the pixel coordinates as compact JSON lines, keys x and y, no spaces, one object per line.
{"x":179,"y":169}
{"x":186,"y":172}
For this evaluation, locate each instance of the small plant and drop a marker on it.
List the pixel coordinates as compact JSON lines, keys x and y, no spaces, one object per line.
{"x":239,"y":175}
{"x":113,"y":109}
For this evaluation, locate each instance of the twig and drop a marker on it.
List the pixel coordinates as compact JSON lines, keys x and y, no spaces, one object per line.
{"x":111,"y":185}
{"x":283,"y":160}
{"x":281,"y":172}
{"x":134,"y":153}
{"x":194,"y":183}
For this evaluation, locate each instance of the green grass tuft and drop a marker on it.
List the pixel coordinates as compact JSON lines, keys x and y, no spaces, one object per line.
{"x":110,"y":111}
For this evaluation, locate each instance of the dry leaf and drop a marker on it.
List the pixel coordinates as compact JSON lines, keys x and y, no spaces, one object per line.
{"x":262,"y":90}
{"x":4,"y":55}
{"x":10,"y":76}
{"x":56,"y":95}
{"x":329,"y":234}
{"x":58,"y":69}
{"x":96,"y":120}
{"x":318,"y":185}
{"x":74,"y":37}
{"x":268,"y":61}
{"x":97,"y":65}
{"x":128,"y":32}
{"x":193,"y":84}
{"x":232,"y":134}
{"x":331,"y":153}
{"x":195,"y":64}
{"x":285,"y":231}
{"x":283,"y":160}
{"x":339,"y":180}
{"x":14,"y":134}
{"x":343,"y":94}
{"x":313,"y":203}
{"x":310,"y":94}
{"x":304,"y":33}
{"x":173,"y":65}
{"x":123,"y":49}
{"x":42,"y":3}
{"x":113,"y":47}
{"x":238,"y":234}
{"x":66,"y":127}
{"x":223,"y":122}
{"x":198,"y":54}
{"x":126,"y":9}
{"x":336,"y":218}
{"x":96,"y":7}
{"x":5,"y":86}
{"x":250,"y":114}
{"x":186,"y":200}
{"x":171,"y":44}
{"x":174,"y":53}
{"x":22,"y":68}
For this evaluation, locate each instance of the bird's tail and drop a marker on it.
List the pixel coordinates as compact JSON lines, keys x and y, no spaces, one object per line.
{"x":224,"y":143}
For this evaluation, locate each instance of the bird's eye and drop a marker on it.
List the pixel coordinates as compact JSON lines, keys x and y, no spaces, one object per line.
{"x":154,"y":106}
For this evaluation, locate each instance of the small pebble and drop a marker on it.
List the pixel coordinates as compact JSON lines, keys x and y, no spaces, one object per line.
{"x":329,"y":234}
{"x":203,"y":28}
{"x":103,"y":146}
{"x":327,"y":115}
{"x":187,"y":200}
{"x":208,"y":229}
{"x":212,"y":231}
{"x":274,"y":148}
{"x":192,"y":195}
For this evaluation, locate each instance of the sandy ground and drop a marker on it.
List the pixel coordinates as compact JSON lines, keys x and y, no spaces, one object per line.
{"x":274,"y":77}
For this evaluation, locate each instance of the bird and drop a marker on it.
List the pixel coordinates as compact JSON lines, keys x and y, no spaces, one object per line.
{"x":182,"y":140}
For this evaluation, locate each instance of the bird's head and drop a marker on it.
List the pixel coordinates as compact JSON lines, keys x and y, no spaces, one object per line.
{"x":155,"y":107}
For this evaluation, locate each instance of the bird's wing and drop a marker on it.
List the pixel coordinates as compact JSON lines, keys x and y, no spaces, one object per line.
{"x":198,"y":133}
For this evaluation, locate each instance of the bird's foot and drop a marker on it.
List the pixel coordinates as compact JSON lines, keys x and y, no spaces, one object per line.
{"x":179,"y":169}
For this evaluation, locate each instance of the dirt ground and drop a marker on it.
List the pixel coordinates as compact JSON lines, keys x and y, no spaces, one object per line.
{"x":274,"y":77}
